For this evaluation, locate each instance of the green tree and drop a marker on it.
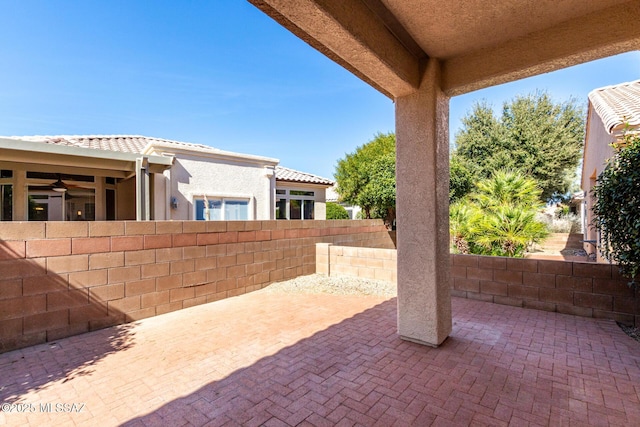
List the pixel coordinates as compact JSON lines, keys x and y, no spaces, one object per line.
{"x":534,"y":135}
{"x":616,"y":208}
{"x":366,"y":178}
{"x":498,"y":218}
{"x":335,"y":211}
{"x":460,"y":178}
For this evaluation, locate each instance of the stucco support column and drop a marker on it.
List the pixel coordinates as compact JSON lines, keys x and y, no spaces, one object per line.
{"x":100,"y":202}
{"x":143,"y":204}
{"x":422,"y":169}
{"x":20,"y":196}
{"x":268,"y":211}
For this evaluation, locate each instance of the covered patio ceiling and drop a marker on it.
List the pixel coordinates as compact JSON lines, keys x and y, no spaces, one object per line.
{"x":420,"y":53}
{"x":479,"y":43}
{"x":84,"y":161}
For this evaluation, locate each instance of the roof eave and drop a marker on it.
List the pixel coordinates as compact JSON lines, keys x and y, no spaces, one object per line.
{"x":304,"y":182}
{"x":158,"y":163}
{"x":218,"y":154}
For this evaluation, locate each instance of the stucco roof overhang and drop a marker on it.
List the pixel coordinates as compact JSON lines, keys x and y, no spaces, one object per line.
{"x":44,"y":156}
{"x":145,"y":145}
{"x":479,"y":43}
{"x":175,"y":147}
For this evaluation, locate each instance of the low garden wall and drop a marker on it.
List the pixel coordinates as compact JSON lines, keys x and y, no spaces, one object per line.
{"x":578,"y":288}
{"x":64,"y":278}
{"x":368,"y":263}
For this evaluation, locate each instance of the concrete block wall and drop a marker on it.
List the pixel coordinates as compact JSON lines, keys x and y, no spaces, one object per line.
{"x":63,"y":278}
{"x":368,"y":263}
{"x":570,"y":287}
{"x":577,"y":288}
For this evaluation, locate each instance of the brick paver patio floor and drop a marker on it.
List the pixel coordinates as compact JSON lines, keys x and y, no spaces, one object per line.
{"x":275,"y":359}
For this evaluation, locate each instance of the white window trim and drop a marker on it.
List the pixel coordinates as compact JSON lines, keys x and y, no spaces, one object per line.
{"x":288,"y":196}
{"x":224,"y":197}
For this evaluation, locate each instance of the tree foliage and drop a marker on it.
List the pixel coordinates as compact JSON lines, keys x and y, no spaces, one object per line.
{"x":498,"y":218}
{"x":534,"y":136}
{"x":616,"y":208}
{"x":460,"y":178}
{"x":366,"y":178}
{"x":335,"y":211}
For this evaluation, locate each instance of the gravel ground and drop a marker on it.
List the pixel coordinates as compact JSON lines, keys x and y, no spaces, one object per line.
{"x":633,"y":332}
{"x":321,"y":284}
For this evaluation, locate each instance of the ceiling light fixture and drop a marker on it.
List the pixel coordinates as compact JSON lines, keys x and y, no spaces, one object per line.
{"x":59,"y":186}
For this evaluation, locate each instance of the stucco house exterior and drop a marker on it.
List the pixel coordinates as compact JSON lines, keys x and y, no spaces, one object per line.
{"x":300,"y":195}
{"x":129,"y":177}
{"x":610,"y":110}
{"x":333,"y":196}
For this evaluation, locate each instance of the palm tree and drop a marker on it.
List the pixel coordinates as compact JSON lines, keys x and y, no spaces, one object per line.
{"x":507,"y":187}
{"x":459,"y":219}
{"x":508,"y":231}
{"x":499,"y":218}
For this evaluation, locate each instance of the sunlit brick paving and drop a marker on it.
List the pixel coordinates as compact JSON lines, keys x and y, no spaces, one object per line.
{"x":287,"y":360}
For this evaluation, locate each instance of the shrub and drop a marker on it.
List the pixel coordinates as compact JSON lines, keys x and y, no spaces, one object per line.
{"x":616,"y":207}
{"x":499,"y":218}
{"x":335,"y":211}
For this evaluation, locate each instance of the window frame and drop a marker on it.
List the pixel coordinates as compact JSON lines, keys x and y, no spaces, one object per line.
{"x":223,"y":199}
{"x":303,"y":196}
{"x":7,"y":181}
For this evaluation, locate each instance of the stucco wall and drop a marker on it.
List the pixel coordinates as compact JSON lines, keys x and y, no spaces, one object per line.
{"x":596,"y":152}
{"x":577,"y":288}
{"x":192,"y":177}
{"x":126,"y":199}
{"x":63,"y":278}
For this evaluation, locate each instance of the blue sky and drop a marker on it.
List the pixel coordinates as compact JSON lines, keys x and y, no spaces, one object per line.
{"x":218,"y":72}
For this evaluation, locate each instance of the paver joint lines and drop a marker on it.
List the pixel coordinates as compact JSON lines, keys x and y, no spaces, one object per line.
{"x":271,"y":358}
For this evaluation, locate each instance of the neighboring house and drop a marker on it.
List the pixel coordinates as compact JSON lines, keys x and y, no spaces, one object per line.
{"x":121,"y":177}
{"x":333,"y":196}
{"x":300,"y":195}
{"x":610,"y":110}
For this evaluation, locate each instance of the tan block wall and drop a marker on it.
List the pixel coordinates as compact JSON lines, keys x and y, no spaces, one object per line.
{"x":578,"y":288}
{"x":61,"y":279}
{"x":367,"y":263}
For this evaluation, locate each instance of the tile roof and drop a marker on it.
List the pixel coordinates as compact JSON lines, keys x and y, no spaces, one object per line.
{"x":617,"y":105}
{"x":130,"y":144}
{"x":290,"y":175}
{"x":137,"y":144}
{"x":122,"y":143}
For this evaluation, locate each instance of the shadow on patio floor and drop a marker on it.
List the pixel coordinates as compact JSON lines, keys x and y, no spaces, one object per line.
{"x":276,"y":359}
{"x":37,"y":305}
{"x":501,"y":365}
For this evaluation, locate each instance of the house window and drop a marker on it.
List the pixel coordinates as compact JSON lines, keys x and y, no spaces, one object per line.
{"x":6,"y":202}
{"x":281,"y":208}
{"x":39,"y":207}
{"x":80,"y":205}
{"x":294,"y":204}
{"x":221,"y":209}
{"x":6,"y":195}
{"x":73,"y":205}
{"x":236,"y":210}
{"x":76,"y":203}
